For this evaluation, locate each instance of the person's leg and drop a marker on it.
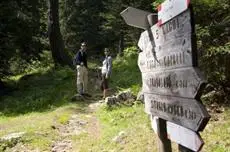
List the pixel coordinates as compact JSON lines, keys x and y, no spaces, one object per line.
{"x":79,"y":79}
{"x":105,"y":91}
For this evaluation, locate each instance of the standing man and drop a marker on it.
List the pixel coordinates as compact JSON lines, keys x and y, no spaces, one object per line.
{"x":80,"y":60}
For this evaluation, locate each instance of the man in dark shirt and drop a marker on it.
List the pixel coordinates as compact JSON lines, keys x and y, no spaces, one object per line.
{"x":80,"y":60}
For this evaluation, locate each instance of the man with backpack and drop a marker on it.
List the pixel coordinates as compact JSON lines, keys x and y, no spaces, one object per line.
{"x":80,"y":61}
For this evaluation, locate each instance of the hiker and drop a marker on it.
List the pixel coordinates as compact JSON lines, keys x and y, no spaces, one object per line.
{"x":80,"y":61}
{"x":106,"y":70}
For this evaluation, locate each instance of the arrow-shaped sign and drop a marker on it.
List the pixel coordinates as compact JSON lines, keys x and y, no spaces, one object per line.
{"x":177,"y":54}
{"x":184,"y":82}
{"x":189,"y":113}
{"x":181,"y":135}
{"x":138,"y":18}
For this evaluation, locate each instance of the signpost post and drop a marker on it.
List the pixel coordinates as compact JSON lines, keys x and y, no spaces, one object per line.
{"x":180,"y":135}
{"x":172,"y":82}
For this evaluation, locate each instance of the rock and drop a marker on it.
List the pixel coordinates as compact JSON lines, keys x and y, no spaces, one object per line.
{"x":75,"y":126}
{"x":129,"y":102}
{"x":125,"y":95}
{"x":12,"y":136}
{"x":120,"y":137}
{"x":208,"y":95}
{"x":77,"y":97}
{"x":11,"y":140}
{"x":209,"y":88}
{"x":62,"y":146}
{"x":111,"y":100}
{"x":140,"y":96}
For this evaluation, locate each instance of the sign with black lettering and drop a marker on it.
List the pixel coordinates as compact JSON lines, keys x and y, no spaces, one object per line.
{"x":189,"y":113}
{"x":177,"y":34}
{"x":177,"y":54}
{"x":184,"y":82}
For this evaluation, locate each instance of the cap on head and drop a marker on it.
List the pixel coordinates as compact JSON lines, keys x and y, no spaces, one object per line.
{"x":83,"y":44}
{"x":106,"y":50}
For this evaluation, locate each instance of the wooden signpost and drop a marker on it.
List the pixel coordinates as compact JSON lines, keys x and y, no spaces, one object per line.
{"x":183,"y":82}
{"x":136,"y":17}
{"x":172,"y":82}
{"x":186,"y":112}
{"x":180,"y":135}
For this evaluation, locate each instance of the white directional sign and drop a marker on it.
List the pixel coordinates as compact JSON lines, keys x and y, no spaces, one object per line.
{"x":181,"y":135}
{"x":171,"y":8}
{"x":177,"y":54}
{"x":184,"y":82}
{"x":168,"y":35}
{"x":189,"y":113}
{"x":136,"y":17}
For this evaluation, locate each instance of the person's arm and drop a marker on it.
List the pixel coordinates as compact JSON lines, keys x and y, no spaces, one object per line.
{"x":78,"y":58}
{"x":74,"y":60}
{"x":109,"y":67}
{"x":86,"y":61}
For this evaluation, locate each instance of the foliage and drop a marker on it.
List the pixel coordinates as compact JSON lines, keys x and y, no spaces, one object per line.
{"x":40,"y":92}
{"x":98,"y":22}
{"x":125,"y":72}
{"x":213,"y":37}
{"x":20,"y":31}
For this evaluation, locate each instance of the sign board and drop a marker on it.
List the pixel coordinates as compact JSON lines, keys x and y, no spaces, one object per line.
{"x":181,"y":135}
{"x":171,"y":80}
{"x":189,"y":113}
{"x":184,"y":82}
{"x":171,"y":8}
{"x":177,"y":54}
{"x":169,"y":35}
{"x":136,"y":17}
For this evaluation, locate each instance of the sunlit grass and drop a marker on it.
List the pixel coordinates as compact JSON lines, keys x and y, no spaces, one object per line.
{"x":38,"y":126}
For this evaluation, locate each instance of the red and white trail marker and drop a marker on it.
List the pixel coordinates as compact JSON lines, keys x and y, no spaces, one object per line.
{"x":171,"y":8}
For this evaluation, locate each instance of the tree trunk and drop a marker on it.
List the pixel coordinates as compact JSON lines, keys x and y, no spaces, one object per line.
{"x":55,"y":37}
{"x":121,"y":44}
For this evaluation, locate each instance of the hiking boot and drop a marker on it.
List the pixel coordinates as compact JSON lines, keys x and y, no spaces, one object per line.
{"x":86,"y":95}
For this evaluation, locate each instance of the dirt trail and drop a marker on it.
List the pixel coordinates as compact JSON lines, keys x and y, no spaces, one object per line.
{"x":75,"y":126}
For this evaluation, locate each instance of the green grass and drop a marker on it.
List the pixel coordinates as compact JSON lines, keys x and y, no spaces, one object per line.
{"x":38,"y":126}
{"x":132,"y":120}
{"x":217,"y":134}
{"x":40,"y":92}
{"x":125,"y":73}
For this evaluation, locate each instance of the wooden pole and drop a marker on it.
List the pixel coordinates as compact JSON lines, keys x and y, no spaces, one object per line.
{"x":164,"y":144}
{"x":184,"y":149}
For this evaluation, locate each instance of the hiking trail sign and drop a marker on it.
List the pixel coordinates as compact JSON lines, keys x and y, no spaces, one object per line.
{"x":172,"y":82}
{"x":180,"y":135}
{"x":186,"y":112}
{"x":173,"y":78}
{"x":136,"y":17}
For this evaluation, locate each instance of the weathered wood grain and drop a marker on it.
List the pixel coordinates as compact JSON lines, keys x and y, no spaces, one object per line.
{"x":184,"y":82}
{"x":188,"y":113}
{"x":180,"y":134}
